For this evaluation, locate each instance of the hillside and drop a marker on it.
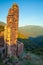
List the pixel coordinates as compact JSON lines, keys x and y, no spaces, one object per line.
{"x":21,"y":36}
{"x":2,"y":23}
{"x":33,"y":44}
{"x":31,"y":31}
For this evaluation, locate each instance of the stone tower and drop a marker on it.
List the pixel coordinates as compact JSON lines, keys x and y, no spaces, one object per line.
{"x":11,"y":30}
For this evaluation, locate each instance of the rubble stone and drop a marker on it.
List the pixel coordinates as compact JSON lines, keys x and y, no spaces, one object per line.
{"x":11,"y":32}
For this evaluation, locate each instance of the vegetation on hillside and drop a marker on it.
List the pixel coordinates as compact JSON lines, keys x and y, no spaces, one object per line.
{"x":1,"y":28}
{"x":20,"y":35}
{"x":34,"y":45}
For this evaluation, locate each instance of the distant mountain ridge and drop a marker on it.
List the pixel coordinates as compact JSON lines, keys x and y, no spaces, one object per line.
{"x":31,"y":30}
{"x":2,"y":23}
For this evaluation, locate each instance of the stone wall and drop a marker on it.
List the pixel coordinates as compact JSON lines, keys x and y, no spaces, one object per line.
{"x":12,"y":24}
{"x":11,"y":30}
{"x":11,"y":33}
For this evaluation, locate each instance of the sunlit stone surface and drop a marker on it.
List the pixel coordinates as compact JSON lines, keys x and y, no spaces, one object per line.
{"x":11,"y":30}
{"x":13,"y":47}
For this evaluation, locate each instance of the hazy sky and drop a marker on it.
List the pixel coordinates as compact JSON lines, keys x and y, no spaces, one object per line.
{"x":30,"y":11}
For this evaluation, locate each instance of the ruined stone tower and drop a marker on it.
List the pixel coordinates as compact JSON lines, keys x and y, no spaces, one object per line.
{"x":12,"y":24}
{"x":11,"y":30}
{"x":13,"y":46}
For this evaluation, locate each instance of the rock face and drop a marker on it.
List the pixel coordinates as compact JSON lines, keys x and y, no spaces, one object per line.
{"x":13,"y":47}
{"x":20,"y":48}
{"x":11,"y":30}
{"x":1,"y":41}
{"x":12,"y":25}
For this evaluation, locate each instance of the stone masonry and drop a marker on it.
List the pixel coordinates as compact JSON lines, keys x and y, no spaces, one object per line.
{"x":12,"y":25}
{"x":13,"y":47}
{"x":11,"y":30}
